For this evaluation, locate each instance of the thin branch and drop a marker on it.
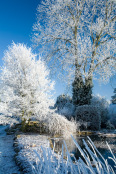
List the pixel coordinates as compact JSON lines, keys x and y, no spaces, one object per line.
{"x":105,"y":60}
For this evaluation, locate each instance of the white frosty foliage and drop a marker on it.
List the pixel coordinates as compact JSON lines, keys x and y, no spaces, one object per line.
{"x":25,"y":84}
{"x":78,"y":33}
{"x":58,"y":124}
{"x":92,"y":164}
{"x":100,"y":101}
{"x":103,"y":107}
{"x":26,"y":90}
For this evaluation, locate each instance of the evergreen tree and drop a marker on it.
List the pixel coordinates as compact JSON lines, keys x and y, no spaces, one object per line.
{"x":88,"y":90}
{"x":77,"y":91}
{"x":82,"y":91}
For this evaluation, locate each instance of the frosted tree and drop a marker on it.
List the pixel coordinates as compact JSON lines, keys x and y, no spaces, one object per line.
{"x":114,"y":97}
{"x":78,"y":39}
{"x":25,"y":84}
{"x":26,"y":90}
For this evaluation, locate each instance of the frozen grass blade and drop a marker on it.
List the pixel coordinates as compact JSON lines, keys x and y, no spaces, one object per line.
{"x":84,"y":155}
{"x":52,"y":163}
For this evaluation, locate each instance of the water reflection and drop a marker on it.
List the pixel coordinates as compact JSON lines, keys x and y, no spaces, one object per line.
{"x":99,"y":141}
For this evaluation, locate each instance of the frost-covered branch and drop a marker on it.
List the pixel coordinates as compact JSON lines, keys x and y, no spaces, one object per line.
{"x":25,"y":85}
{"x":81,"y":34}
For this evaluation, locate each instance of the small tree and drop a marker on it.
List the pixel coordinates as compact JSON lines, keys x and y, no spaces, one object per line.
{"x":25,"y":84}
{"x":114,"y":97}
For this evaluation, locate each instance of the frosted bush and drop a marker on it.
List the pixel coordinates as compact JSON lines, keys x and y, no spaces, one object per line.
{"x":61,"y":101}
{"x":109,"y":125}
{"x":58,"y":124}
{"x":68,"y":111}
{"x":90,"y":115}
{"x":3,"y":108}
{"x":112,"y":114}
{"x":65,"y":106}
{"x":103,"y":106}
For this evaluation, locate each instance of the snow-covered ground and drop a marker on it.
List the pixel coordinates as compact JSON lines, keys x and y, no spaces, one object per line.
{"x":27,"y":144}
{"x":7,"y":163}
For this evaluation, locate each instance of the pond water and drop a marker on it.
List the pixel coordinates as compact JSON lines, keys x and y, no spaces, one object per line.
{"x":98,"y":140}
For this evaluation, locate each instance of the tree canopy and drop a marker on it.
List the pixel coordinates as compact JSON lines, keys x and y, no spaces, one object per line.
{"x":78,"y":37}
{"x":25,"y":84}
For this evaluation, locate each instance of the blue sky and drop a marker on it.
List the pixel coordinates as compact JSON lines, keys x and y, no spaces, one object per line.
{"x":16,"y":20}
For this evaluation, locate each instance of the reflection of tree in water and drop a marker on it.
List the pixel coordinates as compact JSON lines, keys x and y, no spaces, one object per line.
{"x":58,"y":142}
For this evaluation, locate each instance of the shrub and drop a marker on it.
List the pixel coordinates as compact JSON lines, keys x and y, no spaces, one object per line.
{"x":61,"y":101}
{"x":68,"y":110}
{"x":112,"y":114}
{"x":109,"y":125}
{"x":90,"y":115}
{"x":103,"y":106}
{"x":65,"y":106}
{"x":58,"y":124}
{"x":55,"y":123}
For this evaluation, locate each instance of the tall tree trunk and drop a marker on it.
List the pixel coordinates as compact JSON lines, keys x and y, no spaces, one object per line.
{"x":81,"y":90}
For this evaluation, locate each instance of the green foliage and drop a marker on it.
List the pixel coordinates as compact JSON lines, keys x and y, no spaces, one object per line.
{"x":81,"y":91}
{"x":89,"y":116}
{"x":33,"y":126}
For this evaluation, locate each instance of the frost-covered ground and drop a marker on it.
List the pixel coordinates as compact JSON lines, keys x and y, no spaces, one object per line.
{"x":7,"y":163}
{"x":27,"y":144}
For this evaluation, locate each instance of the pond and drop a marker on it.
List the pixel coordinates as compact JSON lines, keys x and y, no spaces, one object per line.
{"x":98,"y":140}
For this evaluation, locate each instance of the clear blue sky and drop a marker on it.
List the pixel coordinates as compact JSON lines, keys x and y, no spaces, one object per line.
{"x":16,"y":20}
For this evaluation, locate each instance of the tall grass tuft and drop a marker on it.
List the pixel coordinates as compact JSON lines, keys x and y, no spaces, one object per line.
{"x":91,"y":162}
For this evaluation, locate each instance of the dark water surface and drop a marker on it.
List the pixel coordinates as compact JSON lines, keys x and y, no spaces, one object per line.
{"x":98,"y":140}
